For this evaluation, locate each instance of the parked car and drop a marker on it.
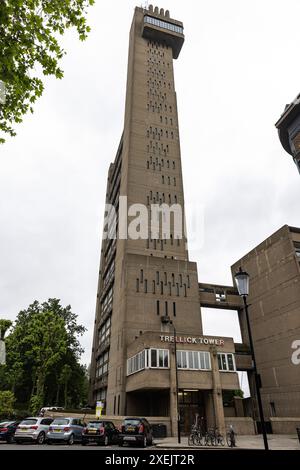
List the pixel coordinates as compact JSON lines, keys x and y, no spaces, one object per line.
{"x":136,"y":431}
{"x":65,"y":429}
{"x":100,"y":432}
{"x":7,"y":430}
{"x":50,"y":408}
{"x":33,"y":429}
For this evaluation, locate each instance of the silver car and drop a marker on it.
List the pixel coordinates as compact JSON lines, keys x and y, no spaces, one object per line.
{"x":65,"y":429}
{"x":33,"y":430}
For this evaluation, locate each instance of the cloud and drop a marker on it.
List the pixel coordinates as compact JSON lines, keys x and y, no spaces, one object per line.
{"x":233,"y":79}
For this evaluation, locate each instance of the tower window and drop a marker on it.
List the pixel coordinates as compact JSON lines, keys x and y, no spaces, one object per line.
{"x":137,"y":285}
{"x":174,"y":309}
{"x":157,"y":308}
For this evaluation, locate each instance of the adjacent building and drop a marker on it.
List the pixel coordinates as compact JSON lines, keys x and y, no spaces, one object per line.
{"x":274,"y":311}
{"x":289,"y":130}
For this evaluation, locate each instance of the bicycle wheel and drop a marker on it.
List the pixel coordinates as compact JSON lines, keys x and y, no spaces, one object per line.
{"x":191,"y":439}
{"x":198,"y":440}
{"x":221,"y":441}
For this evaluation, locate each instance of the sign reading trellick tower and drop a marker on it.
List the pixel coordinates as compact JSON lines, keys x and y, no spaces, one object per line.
{"x":147,"y":285}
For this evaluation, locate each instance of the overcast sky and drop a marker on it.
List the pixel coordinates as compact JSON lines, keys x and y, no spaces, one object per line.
{"x":237,"y":70}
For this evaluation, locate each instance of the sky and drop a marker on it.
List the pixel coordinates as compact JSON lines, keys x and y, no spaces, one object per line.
{"x":235,"y":74}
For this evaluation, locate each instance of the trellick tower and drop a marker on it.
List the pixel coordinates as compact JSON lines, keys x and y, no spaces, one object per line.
{"x":144,"y":281}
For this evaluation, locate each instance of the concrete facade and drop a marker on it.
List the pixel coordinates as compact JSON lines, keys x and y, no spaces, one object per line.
{"x":147,"y":287}
{"x":274,"y":311}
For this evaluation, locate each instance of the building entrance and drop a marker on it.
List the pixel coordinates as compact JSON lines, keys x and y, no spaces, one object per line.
{"x":191,"y":404}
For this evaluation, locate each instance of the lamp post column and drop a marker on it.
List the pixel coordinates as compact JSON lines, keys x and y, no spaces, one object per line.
{"x":257,"y":378}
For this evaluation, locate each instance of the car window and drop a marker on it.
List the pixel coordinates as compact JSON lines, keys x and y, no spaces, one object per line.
{"x":95,"y":424}
{"x":61,"y":422}
{"x":133,"y":422}
{"x":46,"y":421}
{"x":29,"y":422}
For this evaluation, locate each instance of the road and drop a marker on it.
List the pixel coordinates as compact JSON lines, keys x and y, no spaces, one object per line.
{"x":29,"y":446}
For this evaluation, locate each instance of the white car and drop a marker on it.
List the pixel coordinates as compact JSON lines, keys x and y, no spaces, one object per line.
{"x":33,"y":430}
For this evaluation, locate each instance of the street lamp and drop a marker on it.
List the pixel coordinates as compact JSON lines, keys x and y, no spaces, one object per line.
{"x":242,"y":282}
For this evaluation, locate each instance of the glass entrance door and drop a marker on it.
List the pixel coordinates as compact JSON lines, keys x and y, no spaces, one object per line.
{"x":191,"y":406}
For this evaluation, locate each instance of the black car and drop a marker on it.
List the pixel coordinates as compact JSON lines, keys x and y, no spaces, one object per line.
{"x":7,"y":430}
{"x":100,"y":432}
{"x":136,"y":431}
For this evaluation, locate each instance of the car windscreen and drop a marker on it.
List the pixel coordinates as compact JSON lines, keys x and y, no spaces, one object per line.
{"x":95,"y":424}
{"x":60,"y":422}
{"x":29,"y":422}
{"x":132,"y":422}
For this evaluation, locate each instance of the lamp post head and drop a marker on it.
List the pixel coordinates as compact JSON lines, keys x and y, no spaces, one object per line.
{"x":242,"y":282}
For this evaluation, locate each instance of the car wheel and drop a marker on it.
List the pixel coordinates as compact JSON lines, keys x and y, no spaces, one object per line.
{"x":41,"y":438}
{"x":10,"y":439}
{"x":144,"y":443}
{"x":106,"y":440}
{"x":121,"y":443}
{"x":71,"y":440}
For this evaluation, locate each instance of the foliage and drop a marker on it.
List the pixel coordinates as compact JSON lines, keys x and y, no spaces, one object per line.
{"x":7,"y":401}
{"x":36,"y":403}
{"x":4,"y":326}
{"x":43,"y":352}
{"x":29,"y":32}
{"x":64,"y":379}
{"x":228,"y":396}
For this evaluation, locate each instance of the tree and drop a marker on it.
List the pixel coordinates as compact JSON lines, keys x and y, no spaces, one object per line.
{"x":64,"y":379}
{"x":29,"y":31}
{"x":7,"y":401}
{"x":43,"y":341}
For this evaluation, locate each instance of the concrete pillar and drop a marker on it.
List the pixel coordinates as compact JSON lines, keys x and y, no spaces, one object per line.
{"x":209,"y":410}
{"x":173,"y":395}
{"x":239,"y":406}
{"x":217,"y":392}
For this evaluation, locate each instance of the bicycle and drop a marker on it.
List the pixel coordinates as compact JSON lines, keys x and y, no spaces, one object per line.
{"x":213,"y":437}
{"x":196,"y":436}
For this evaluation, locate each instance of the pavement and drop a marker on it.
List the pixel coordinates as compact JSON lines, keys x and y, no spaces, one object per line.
{"x":276,"y":442}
